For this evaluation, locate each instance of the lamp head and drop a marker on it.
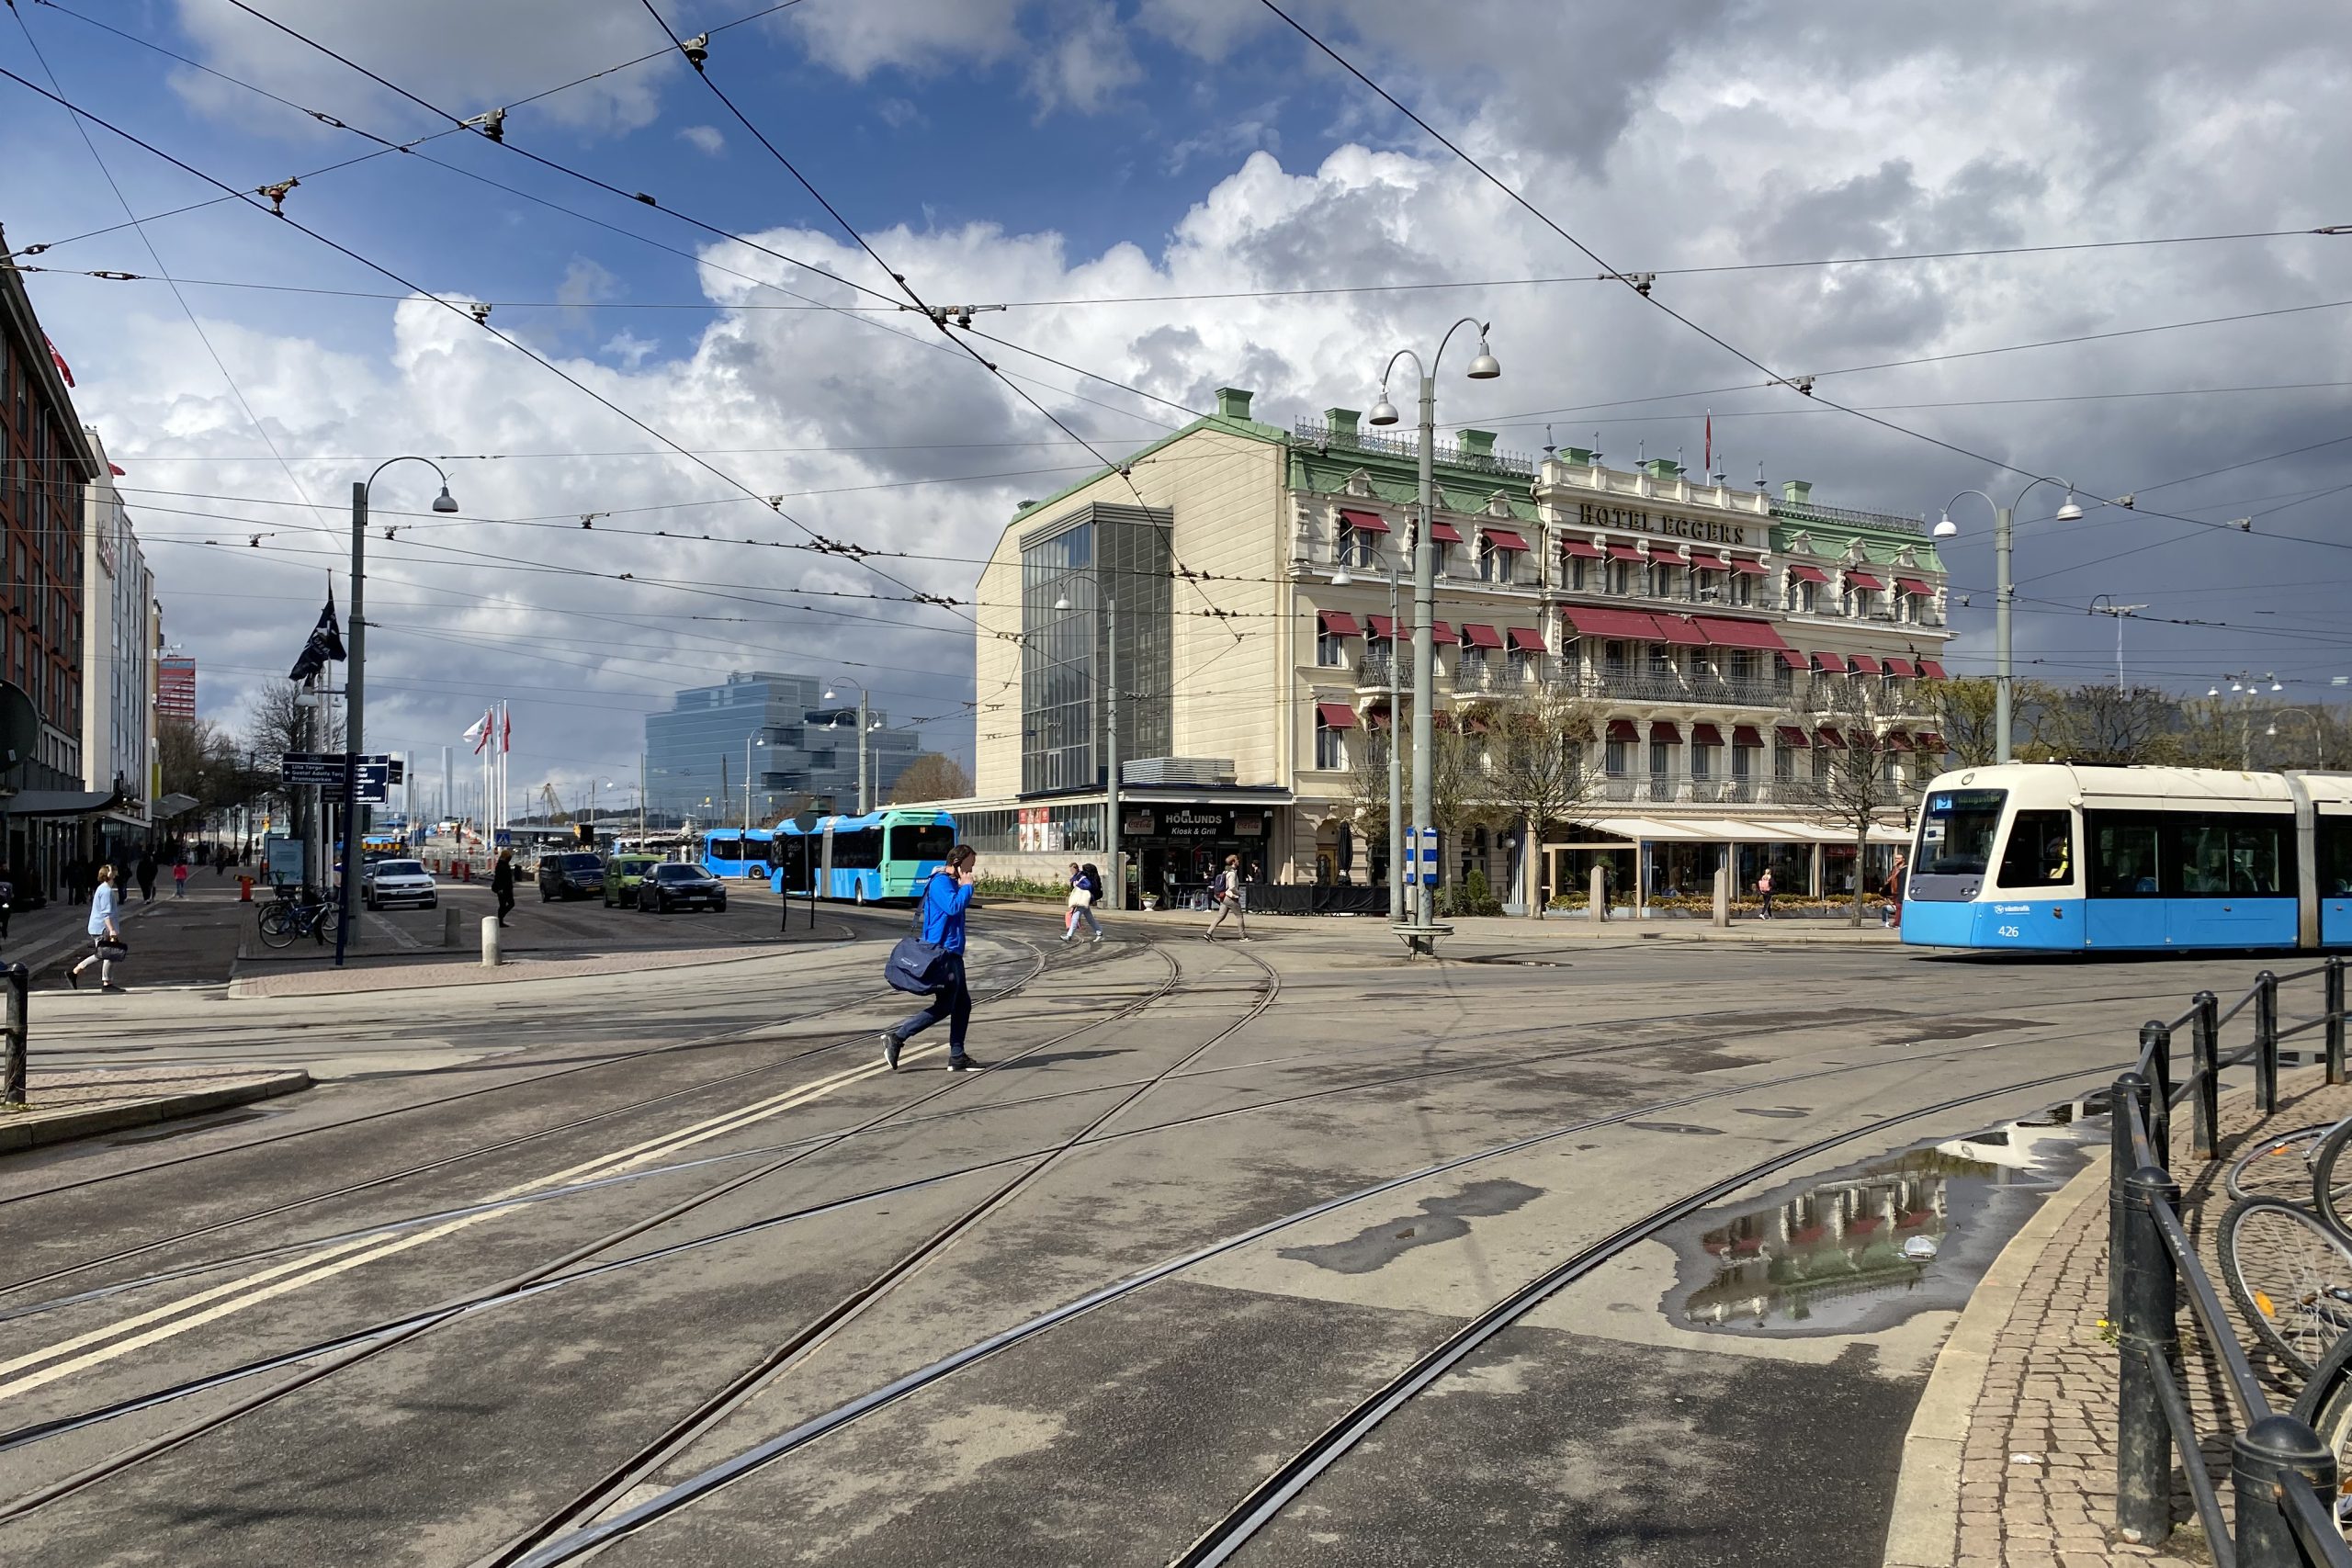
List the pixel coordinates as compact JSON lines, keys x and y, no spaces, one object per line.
{"x":2071,"y":512}
{"x":1340,"y":578}
{"x":445,"y":502}
{"x":1061,"y":604}
{"x":2275,"y":686}
{"x":1383,"y":412}
{"x":1945,"y":527}
{"x":2271,"y":730}
{"x":2212,"y":691}
{"x":1484,"y":367}
{"x":828,"y":696}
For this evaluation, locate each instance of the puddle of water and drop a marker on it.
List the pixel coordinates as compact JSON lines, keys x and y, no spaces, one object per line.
{"x":1830,"y":1257}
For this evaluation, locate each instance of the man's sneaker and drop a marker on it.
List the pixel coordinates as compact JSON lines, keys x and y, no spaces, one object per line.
{"x":962,"y":1064}
{"x":890,"y":1046}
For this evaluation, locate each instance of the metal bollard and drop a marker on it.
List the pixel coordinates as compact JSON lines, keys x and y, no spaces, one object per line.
{"x":2266,"y":1041}
{"x":2205,"y":1072}
{"x":13,"y":1080}
{"x":2145,"y":1338}
{"x":2260,"y":1459}
{"x":2121,"y":1163}
{"x":2334,"y":982}
{"x":2155,"y":1107}
{"x":490,"y":955}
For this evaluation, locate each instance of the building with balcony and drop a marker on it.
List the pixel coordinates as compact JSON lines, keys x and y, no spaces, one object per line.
{"x":1721,"y":642}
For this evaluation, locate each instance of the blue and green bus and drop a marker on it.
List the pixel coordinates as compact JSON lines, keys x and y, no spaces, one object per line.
{"x":732,"y":852}
{"x":881,"y":856}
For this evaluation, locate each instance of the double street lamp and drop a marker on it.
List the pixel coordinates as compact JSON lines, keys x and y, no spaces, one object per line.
{"x":866,"y":725}
{"x":1418,"y":930}
{"x":2004,"y":592}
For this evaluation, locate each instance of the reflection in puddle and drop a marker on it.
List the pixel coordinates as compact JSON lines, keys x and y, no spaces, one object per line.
{"x":1869,"y":1245}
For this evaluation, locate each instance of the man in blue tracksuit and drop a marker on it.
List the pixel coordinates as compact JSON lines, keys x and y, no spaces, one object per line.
{"x":945,"y":898}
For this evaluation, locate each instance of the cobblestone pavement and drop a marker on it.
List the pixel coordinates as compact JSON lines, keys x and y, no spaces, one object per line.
{"x":2036,"y":1469}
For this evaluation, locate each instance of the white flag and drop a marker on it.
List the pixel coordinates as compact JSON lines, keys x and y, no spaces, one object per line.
{"x":478,"y":731}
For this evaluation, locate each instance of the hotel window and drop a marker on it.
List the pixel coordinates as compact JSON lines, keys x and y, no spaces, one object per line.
{"x":1355,"y":546}
{"x":1742,"y":665}
{"x":1661,"y":759}
{"x":1740,"y":589}
{"x":1785,"y":763}
{"x":1577,"y":565}
{"x":1613,"y":756}
{"x":1330,"y":649}
{"x":1821,"y":764}
{"x":1665,"y":580}
{"x":1522,"y":665}
{"x":1702,"y":761}
{"x":1743,"y":762}
{"x":1620,"y":577}
{"x":1802,"y":601}
{"x":1887,"y":768}
{"x":1444,"y":553}
{"x":1331,"y":746}
{"x":1620,"y":659}
{"x":1469,"y":666}
{"x":1662,"y":662}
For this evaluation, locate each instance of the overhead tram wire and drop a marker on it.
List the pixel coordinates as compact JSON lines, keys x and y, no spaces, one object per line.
{"x":851,"y":551}
{"x":145,"y":240}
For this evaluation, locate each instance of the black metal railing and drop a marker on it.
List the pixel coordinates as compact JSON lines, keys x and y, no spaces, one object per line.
{"x":2283,"y":1478}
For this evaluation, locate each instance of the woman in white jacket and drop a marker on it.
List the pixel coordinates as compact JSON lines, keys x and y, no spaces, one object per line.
{"x":103,"y":933}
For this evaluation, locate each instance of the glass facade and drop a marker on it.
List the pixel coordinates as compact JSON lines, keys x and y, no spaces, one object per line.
{"x":1081,"y":562}
{"x":803,"y":750}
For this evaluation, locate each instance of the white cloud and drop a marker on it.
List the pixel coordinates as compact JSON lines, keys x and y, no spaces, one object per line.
{"x":705,"y":139}
{"x":1084,"y":62}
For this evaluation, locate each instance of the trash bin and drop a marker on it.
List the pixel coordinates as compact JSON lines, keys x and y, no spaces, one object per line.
{"x":244,"y":889}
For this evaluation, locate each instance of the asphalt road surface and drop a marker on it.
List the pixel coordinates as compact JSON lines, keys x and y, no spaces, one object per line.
{"x":668,"y":1267}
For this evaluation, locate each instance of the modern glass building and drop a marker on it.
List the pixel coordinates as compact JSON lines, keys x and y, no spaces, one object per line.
{"x":1085,"y":574}
{"x":801,"y":750}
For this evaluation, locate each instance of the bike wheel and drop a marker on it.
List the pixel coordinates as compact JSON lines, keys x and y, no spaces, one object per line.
{"x":2332,"y":1179}
{"x":2325,"y":1406}
{"x":2279,"y":1166}
{"x":2291,"y":1276}
{"x":276,"y":927}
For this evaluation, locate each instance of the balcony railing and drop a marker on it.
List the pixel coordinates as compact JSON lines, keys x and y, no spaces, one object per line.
{"x":1704,"y":690}
{"x":1679,"y":789}
{"x":1321,"y":434}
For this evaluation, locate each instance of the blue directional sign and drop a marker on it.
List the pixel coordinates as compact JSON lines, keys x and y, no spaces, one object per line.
{"x":1421,"y":856}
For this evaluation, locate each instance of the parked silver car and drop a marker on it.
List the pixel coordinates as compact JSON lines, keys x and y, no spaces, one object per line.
{"x":398,"y":882}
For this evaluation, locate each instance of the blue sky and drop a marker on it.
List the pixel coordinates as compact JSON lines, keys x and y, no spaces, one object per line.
{"x":1047,"y":149}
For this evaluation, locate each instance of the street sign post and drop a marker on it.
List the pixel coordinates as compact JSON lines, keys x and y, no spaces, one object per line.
{"x":327,"y":770}
{"x":1421,"y":857}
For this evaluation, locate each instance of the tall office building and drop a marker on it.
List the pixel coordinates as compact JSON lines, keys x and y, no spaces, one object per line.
{"x":798,"y":749}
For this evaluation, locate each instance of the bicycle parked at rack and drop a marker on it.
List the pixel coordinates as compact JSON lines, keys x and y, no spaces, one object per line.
{"x":293,"y":914}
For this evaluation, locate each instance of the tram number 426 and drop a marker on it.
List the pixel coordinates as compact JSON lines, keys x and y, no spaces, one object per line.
{"x":2009,"y":932}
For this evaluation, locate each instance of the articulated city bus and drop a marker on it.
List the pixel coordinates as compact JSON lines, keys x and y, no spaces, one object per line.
{"x":2050,"y":855}
{"x":883,"y":854}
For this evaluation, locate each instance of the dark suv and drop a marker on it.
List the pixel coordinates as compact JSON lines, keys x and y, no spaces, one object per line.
{"x":571,"y":877}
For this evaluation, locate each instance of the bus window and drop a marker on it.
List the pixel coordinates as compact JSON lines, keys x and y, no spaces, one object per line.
{"x":2040,"y":852}
{"x":2124,"y":857}
{"x":1956,"y":831}
{"x":725,"y":848}
{"x":922,"y":843}
{"x":860,"y":849}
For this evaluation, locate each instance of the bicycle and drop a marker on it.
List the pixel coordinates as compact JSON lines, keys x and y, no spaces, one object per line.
{"x":2290,"y":1272}
{"x":293,"y":915}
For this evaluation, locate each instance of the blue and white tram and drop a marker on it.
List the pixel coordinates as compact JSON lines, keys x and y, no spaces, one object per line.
{"x":2052,"y":856}
{"x":883,"y":854}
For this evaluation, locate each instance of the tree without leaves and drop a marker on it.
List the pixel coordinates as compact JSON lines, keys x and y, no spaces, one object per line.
{"x":1537,"y":769}
{"x":1849,"y":790}
{"x":282,"y":720}
{"x":2100,"y":726}
{"x":933,"y":776}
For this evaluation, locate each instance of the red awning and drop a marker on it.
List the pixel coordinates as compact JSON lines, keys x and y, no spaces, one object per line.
{"x":1625,"y":552}
{"x":1702,"y":561}
{"x":1830,"y":663}
{"x":1679,"y":631}
{"x":1931,"y":742}
{"x":1370,"y":522}
{"x":1747,"y":735}
{"x":1384,"y":628}
{"x":1792,"y":736}
{"x":1441,"y":632}
{"x":1831,"y":737}
{"x":1478,"y":636}
{"x":1527,"y":639}
{"x":1862,"y":665}
{"x":1931,"y":669}
{"x":1902,"y":667}
{"x":1864,"y":579}
{"x":1661,"y":730}
{"x":1335,"y":716}
{"x":1724,"y":631}
{"x":1913,"y":586}
{"x":1793,"y":660}
{"x":1623,"y":729}
{"x":1583,"y":549}
{"x":1895,"y":740}
{"x":1802,"y":573}
{"x":1445,"y":533}
{"x":1745,"y":564}
{"x":1705,"y":734}
{"x":1377,"y":718}
{"x":1612,"y":622}
{"x":1504,"y":539}
{"x":1339,"y":623}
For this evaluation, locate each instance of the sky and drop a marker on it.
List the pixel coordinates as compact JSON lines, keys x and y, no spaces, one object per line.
{"x":1083,"y":161}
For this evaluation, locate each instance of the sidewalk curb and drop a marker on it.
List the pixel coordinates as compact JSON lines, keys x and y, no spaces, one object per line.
{"x":1924,"y":1532}
{"x":141,"y":1112}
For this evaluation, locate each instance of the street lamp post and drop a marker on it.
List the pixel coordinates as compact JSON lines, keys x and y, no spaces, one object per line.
{"x":355,"y":684}
{"x":754,"y":739}
{"x":2248,"y":688}
{"x":1395,"y":751}
{"x":2120,"y":612}
{"x":1419,"y":934}
{"x":2004,"y":592}
{"x":2319,"y":732}
{"x":864,"y":723}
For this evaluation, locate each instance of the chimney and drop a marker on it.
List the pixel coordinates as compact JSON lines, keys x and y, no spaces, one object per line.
{"x":1342,"y":422}
{"x":1232,"y":402}
{"x":1798,"y":491}
{"x":1664,"y":468}
{"x":1476,"y":443}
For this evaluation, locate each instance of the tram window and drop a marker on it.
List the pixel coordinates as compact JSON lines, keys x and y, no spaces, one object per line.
{"x":2335,"y":855}
{"x":922,"y":843}
{"x":2040,"y":852}
{"x":2219,"y":856}
{"x":1956,"y":830}
{"x":2123,"y":858}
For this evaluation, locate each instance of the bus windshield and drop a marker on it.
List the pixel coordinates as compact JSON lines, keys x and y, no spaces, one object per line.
{"x":1956,"y":831}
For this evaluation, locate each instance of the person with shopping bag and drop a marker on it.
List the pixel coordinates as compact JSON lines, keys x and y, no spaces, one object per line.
{"x":1085,"y":887}
{"x":931,"y":959}
{"x":107,"y":946}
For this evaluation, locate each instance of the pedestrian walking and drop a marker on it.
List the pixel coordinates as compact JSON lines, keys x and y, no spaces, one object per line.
{"x":501,"y":883}
{"x":1085,"y":892}
{"x":179,"y":878}
{"x":1891,"y":914}
{"x":107,"y":946}
{"x":1225,"y":892}
{"x":945,"y":898}
{"x":1764,"y":891}
{"x":147,"y":869}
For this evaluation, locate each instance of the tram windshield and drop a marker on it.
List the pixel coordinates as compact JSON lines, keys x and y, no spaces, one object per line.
{"x":1957,"y":830}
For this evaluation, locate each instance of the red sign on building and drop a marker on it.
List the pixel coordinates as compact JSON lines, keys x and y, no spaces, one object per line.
{"x":176,"y":686}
